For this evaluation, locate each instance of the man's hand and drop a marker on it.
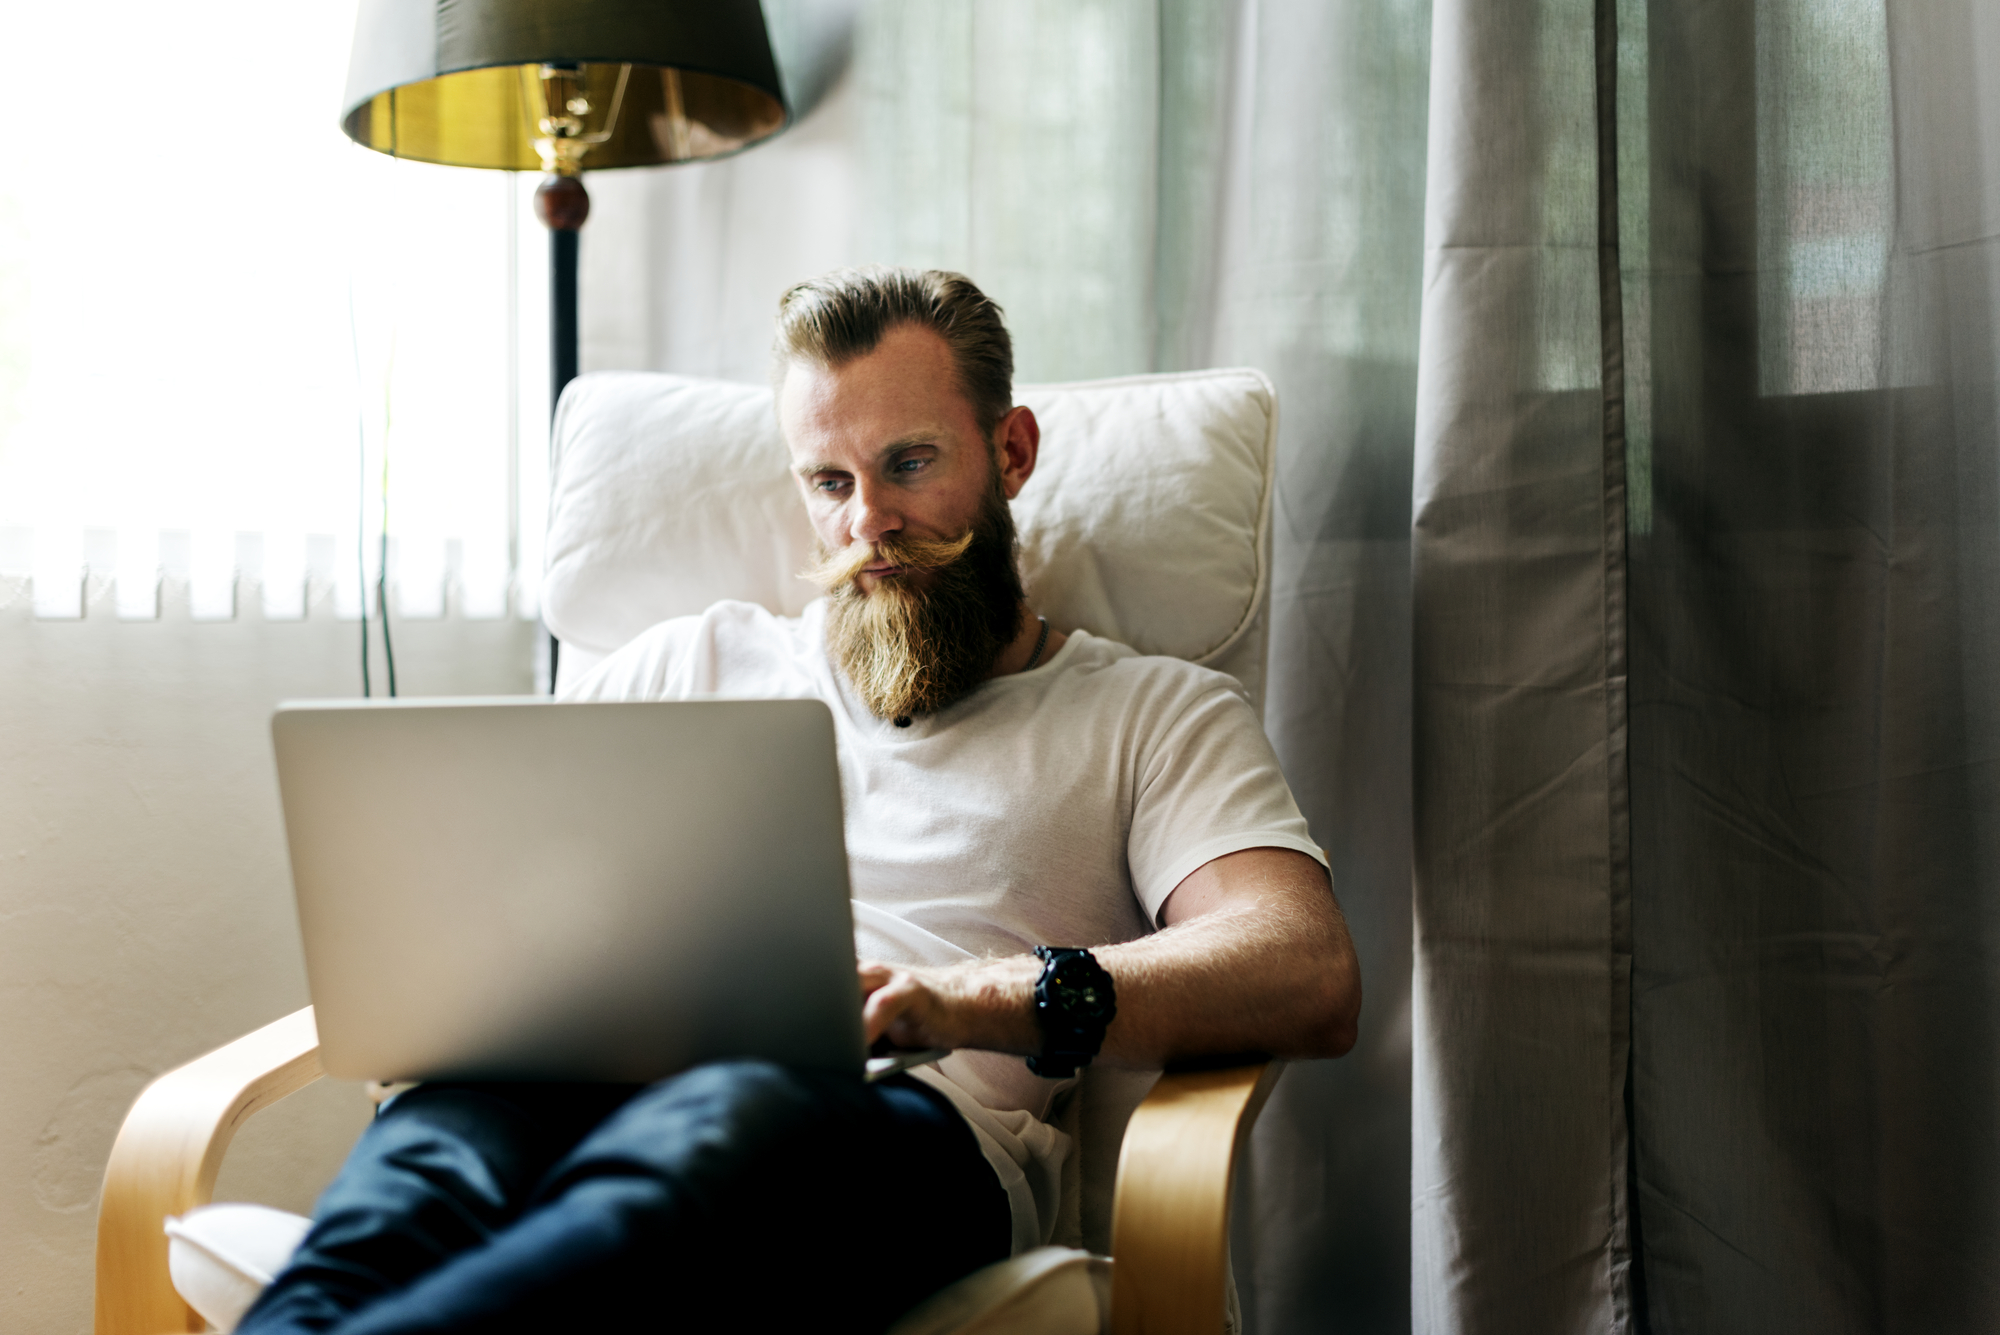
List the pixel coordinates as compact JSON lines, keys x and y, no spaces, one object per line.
{"x":1254,"y":956}
{"x":984,"y":1004}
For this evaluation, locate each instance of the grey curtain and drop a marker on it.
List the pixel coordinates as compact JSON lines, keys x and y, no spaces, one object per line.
{"x":1815,"y":674}
{"x":1637,"y":531}
{"x":1705,"y":695}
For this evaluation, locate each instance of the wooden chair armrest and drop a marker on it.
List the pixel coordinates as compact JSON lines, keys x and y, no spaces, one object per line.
{"x":165,"y":1160}
{"x":1170,"y":1210}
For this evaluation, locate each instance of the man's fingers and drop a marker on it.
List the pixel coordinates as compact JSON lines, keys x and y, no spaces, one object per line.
{"x":897,"y":1008}
{"x":879,"y":1007}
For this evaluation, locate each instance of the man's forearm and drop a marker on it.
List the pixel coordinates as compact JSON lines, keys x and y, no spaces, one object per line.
{"x":1269,"y":980}
{"x":1259,"y":961}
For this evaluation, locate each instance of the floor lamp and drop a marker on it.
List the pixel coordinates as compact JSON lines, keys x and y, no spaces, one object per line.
{"x":562,"y":85}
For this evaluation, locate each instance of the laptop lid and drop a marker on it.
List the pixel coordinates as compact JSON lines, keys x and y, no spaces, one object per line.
{"x":531,"y":890}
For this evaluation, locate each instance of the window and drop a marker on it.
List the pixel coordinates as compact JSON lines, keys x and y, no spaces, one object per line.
{"x":222,"y":326}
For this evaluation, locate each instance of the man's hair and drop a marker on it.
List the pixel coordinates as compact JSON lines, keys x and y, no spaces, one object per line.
{"x":839,"y":316}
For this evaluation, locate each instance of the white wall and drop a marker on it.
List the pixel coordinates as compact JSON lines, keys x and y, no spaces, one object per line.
{"x":145,"y":904}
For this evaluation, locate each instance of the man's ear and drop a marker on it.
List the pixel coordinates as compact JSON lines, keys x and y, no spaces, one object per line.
{"x":1017,"y":440}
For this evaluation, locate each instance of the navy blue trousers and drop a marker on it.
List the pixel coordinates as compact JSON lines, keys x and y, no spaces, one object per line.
{"x":740,"y":1196}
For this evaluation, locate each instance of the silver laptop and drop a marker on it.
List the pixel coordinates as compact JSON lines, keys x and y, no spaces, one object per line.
{"x":529,"y":890}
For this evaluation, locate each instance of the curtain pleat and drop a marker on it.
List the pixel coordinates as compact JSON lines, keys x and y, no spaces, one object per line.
{"x":1522,"y":959}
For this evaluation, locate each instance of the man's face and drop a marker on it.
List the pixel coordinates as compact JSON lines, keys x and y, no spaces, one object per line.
{"x":887,"y":445}
{"x":909,"y":502}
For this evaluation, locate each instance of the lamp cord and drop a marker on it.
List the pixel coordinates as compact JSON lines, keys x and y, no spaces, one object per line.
{"x":382,"y":575}
{"x":360,"y":487}
{"x":361,"y":510}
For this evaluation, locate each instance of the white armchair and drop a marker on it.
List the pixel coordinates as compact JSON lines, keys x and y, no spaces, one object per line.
{"x":1147,"y":521}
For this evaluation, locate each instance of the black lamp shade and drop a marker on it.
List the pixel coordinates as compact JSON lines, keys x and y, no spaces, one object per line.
{"x":449,"y":81}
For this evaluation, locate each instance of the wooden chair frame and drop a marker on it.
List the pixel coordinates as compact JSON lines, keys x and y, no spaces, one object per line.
{"x":1170,"y":1213}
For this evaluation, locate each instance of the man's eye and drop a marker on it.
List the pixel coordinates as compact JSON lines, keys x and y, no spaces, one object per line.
{"x":910,"y":465}
{"x":829,"y":484}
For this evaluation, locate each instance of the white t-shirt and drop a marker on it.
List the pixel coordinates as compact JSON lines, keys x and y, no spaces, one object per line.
{"x":1054,"y":807}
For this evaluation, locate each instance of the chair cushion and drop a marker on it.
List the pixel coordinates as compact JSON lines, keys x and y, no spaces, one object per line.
{"x":222,"y":1256}
{"x":1048,"y":1291}
{"x":1146,"y":520}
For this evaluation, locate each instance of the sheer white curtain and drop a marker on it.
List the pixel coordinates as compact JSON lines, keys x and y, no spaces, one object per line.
{"x":208,"y":299}
{"x":1148,"y":184}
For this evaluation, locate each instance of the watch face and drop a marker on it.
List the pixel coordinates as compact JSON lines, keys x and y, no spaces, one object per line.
{"x":1080,"y":999}
{"x":1088,"y":1003}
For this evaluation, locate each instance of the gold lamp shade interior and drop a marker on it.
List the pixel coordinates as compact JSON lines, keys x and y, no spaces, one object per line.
{"x":642,"y":115}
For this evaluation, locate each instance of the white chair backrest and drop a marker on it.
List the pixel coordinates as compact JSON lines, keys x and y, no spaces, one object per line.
{"x":1147,"y":520}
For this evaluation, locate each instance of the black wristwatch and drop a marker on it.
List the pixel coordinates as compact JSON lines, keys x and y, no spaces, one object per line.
{"x":1074,"y":1004}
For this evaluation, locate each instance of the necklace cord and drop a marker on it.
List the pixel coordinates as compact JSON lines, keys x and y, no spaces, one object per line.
{"x":1040,"y":644}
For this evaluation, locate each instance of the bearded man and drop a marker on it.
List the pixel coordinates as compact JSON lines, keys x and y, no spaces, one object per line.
{"x":1028,"y":812}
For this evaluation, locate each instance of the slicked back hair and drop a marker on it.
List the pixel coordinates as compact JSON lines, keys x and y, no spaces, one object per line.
{"x":842,"y":315}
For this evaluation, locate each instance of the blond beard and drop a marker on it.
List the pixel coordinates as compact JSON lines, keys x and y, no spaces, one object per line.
{"x":913,"y":648}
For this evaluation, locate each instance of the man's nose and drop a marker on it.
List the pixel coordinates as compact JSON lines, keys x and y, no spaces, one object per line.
{"x":872,"y":515}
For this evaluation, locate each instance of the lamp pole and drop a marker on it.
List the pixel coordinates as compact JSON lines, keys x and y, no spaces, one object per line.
{"x":562,"y":204}
{"x":569,"y":122}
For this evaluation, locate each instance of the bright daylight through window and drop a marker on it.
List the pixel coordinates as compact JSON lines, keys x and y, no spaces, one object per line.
{"x":222,"y":326}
